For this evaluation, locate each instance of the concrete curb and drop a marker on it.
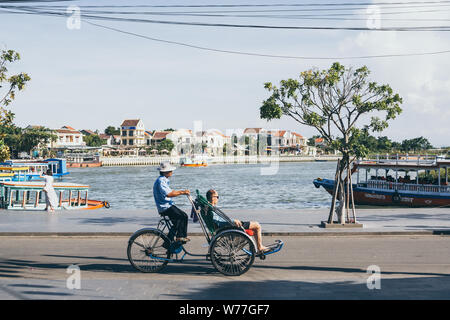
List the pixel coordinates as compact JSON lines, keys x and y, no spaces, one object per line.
{"x":265,"y":234}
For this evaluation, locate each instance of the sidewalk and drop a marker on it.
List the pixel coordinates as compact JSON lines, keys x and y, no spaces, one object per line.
{"x":274,"y":222}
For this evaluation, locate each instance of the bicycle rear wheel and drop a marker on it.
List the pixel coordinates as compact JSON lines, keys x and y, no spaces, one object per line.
{"x":148,"y":250}
{"x":232,"y":253}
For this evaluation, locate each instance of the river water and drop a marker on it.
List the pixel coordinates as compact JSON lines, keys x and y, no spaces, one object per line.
{"x":287,"y":186}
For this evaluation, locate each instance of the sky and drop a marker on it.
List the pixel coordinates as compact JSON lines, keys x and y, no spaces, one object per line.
{"x":91,"y":78}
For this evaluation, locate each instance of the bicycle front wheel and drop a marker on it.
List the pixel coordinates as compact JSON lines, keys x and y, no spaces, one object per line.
{"x":148,"y":250}
{"x":232,"y":253}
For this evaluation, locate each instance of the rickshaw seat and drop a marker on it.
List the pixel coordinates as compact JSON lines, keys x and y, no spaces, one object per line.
{"x":207,"y":216}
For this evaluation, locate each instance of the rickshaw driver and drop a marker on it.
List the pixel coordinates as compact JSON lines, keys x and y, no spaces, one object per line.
{"x":163,"y":195}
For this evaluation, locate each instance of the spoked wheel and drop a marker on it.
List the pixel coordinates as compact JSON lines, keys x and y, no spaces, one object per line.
{"x":232,"y":253}
{"x":147,"y":250}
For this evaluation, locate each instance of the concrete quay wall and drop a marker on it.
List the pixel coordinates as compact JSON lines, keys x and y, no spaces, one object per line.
{"x":150,"y":161}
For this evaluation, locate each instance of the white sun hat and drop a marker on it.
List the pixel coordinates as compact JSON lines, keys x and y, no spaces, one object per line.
{"x":165,"y":167}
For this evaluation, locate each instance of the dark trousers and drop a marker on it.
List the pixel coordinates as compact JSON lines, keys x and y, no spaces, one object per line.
{"x":179,"y":219}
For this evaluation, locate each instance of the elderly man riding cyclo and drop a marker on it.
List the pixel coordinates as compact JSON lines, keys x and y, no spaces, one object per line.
{"x":163,"y":195}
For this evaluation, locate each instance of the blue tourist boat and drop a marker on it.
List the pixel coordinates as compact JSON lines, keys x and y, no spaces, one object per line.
{"x":413,"y":181}
{"x":32,"y":170}
{"x":29,"y":195}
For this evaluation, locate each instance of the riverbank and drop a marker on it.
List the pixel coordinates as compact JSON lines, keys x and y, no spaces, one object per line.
{"x":153,"y":161}
{"x":403,"y":221}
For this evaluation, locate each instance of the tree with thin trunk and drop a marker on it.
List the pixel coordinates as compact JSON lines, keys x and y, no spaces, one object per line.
{"x":9,"y":85}
{"x":339,"y":103}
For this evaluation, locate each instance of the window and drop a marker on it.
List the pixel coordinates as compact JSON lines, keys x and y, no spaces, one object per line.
{"x":130,"y":133}
{"x":130,"y":142}
{"x":124,"y":142}
{"x":124,"y":133}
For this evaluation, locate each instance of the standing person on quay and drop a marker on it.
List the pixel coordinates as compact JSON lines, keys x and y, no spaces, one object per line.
{"x":51,"y":200}
{"x":163,"y":195}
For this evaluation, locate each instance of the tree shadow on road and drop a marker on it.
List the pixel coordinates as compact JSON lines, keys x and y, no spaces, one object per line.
{"x":15,"y":268}
{"x":398,"y":288}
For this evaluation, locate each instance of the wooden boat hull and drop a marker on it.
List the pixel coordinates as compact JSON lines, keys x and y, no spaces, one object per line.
{"x":84,"y":164}
{"x":367,"y":196}
{"x":94,"y":204}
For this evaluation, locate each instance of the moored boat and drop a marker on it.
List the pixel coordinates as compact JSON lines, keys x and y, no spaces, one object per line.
{"x":188,"y":162}
{"x":404,"y":181}
{"x":33,"y":169}
{"x":30,"y":196}
{"x":194,"y":164}
{"x":83,"y":161}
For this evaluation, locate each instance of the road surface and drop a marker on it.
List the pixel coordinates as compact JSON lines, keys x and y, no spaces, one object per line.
{"x":322,"y":267}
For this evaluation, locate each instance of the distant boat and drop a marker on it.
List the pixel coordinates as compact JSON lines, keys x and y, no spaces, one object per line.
{"x":83,"y":161}
{"x":188,"y":162}
{"x":405,"y":181}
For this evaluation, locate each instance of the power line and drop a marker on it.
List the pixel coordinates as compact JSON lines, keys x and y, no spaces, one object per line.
{"x":86,"y":18}
{"x":263,"y":55}
{"x":256,"y":5}
{"x":228,"y":25}
{"x":232,"y":13}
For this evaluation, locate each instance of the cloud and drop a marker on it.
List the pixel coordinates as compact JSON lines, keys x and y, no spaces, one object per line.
{"x":422,"y":81}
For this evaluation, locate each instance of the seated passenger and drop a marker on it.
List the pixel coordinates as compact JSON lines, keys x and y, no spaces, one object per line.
{"x":213,"y":197}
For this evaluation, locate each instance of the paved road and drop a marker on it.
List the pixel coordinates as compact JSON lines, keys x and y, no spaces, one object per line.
{"x":412,"y":267}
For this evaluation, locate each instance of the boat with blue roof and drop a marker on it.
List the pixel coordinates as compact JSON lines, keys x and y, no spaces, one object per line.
{"x":400,"y":180}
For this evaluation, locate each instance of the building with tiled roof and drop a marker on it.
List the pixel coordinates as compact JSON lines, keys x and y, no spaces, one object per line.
{"x":87,"y":132}
{"x":132,"y":133}
{"x":67,"y":137}
{"x":159,"y":136}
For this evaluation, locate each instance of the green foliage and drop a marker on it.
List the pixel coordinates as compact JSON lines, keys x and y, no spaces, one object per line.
{"x":9,"y":85}
{"x":416,"y":144}
{"x":332,"y":101}
{"x":4,"y":151}
{"x":13,"y":82}
{"x":94,"y":140}
{"x":383,"y":144}
{"x":112,"y":131}
{"x":312,"y":141}
{"x":166,"y":145}
{"x":26,"y":139}
{"x":432,"y":176}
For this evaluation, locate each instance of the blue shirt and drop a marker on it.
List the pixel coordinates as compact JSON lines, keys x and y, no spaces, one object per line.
{"x":161,"y":189}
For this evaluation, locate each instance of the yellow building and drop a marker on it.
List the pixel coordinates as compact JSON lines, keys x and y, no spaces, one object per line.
{"x":132,"y":133}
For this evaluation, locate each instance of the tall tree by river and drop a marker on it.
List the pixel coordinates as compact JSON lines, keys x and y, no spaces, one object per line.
{"x":339,"y":103}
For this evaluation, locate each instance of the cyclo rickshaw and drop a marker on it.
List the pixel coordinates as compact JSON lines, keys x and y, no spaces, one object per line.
{"x":231,"y":249}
